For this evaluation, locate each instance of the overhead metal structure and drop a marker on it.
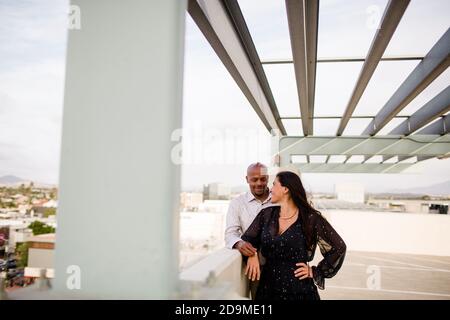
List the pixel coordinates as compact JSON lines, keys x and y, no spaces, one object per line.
{"x":434,"y":63}
{"x":346,"y":59}
{"x":391,"y":18}
{"x":303,"y":20}
{"x":352,"y":167}
{"x":435,"y":108}
{"x":223,"y":26}
{"x":414,"y":145}
{"x":442,"y":126}
{"x":422,"y":135}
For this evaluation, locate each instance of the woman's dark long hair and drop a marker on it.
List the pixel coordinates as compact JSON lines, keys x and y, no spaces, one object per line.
{"x":298,"y":194}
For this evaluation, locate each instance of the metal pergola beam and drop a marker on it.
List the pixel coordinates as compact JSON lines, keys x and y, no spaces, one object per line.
{"x":423,"y":158}
{"x":438,"y":129}
{"x":402,"y":158}
{"x":414,"y":145}
{"x":436,"y":107}
{"x":352,"y":167}
{"x":441,"y":127}
{"x":419,"y":158}
{"x":391,"y":18}
{"x":312,"y":33}
{"x":434,"y":63}
{"x":436,"y":139}
{"x":303,"y":18}
{"x":235,"y":13}
{"x":339,"y":117}
{"x":234,"y":50}
{"x":345,"y":59}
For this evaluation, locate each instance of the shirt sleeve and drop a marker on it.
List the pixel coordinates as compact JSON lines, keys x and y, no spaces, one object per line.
{"x":333,"y":250}
{"x":233,"y":229}
{"x":253,"y":233}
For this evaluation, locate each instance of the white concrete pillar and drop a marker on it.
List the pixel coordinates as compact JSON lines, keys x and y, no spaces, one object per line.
{"x":119,"y":190}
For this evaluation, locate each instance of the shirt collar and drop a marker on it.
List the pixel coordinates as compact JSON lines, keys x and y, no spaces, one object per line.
{"x":251,"y":197}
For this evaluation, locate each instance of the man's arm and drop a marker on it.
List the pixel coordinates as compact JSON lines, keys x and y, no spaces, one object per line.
{"x":245,"y":248}
{"x":233,"y":232}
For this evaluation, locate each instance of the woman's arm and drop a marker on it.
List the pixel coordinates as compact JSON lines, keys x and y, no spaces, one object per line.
{"x":253,"y":236}
{"x":253,"y":270}
{"x":333,"y":250}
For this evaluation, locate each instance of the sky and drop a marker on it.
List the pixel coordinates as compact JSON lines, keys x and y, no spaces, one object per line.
{"x":32,"y":63}
{"x":222,"y":133}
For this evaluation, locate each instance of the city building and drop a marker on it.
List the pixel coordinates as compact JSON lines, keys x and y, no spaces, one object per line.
{"x":190,"y":200}
{"x":216,"y":191}
{"x":351,"y":192}
{"x":19,"y":234}
{"x":41,"y":255}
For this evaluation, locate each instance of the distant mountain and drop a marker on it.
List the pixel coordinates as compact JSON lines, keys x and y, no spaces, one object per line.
{"x":440,"y":189}
{"x":11,"y":180}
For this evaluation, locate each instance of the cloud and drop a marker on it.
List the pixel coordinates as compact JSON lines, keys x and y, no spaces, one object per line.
{"x":31,"y":87}
{"x":33,"y":30}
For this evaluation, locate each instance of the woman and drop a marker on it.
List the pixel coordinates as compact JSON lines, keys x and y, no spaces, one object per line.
{"x":287,"y":236}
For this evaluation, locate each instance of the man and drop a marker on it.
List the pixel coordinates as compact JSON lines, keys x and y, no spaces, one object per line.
{"x":243,"y":210}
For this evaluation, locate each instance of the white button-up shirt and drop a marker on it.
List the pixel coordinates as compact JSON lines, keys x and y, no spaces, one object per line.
{"x":241,"y":213}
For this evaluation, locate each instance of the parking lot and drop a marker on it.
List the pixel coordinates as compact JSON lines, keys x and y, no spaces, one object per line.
{"x":369,"y":275}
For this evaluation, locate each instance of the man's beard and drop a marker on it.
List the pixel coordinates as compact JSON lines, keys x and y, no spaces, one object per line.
{"x":260,"y":192}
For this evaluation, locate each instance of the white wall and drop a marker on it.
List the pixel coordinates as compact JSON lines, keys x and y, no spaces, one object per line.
{"x":41,"y":258}
{"x":222,"y":270}
{"x":411,"y":233}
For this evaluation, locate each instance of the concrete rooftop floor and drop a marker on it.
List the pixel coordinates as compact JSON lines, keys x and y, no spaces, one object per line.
{"x":401,"y":277}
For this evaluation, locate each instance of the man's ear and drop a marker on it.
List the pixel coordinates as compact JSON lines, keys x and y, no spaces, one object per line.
{"x":246,"y":178}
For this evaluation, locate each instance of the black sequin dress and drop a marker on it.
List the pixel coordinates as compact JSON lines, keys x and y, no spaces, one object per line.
{"x":283,"y":251}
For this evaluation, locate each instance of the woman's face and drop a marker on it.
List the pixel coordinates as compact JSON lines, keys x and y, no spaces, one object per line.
{"x":278,"y":191}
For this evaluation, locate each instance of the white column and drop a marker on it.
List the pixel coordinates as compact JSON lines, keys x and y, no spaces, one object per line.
{"x":119,"y":189}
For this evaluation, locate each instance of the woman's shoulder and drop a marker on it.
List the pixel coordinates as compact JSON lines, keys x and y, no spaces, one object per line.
{"x":268,"y":212}
{"x":317,"y":219}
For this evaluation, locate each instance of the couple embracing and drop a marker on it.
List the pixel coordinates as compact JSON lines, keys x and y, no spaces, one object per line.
{"x":277,"y":231}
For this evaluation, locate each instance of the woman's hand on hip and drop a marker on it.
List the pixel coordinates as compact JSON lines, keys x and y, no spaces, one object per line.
{"x":304,"y":271}
{"x":253,"y":271}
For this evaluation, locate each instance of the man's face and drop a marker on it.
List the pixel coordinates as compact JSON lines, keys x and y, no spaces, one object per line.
{"x":257,"y":179}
